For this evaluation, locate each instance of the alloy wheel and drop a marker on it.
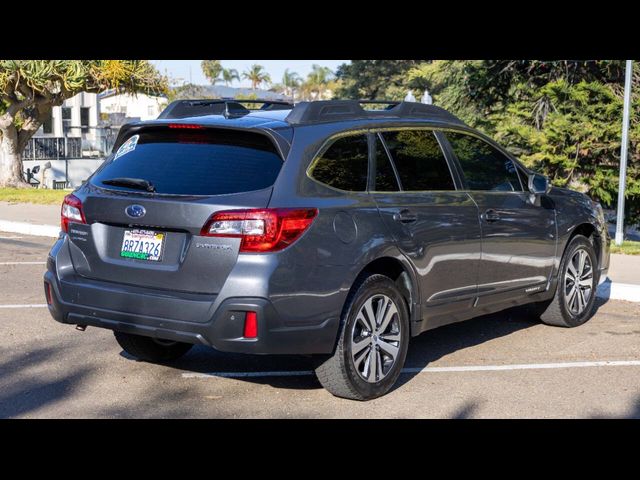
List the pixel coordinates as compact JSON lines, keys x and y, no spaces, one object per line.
{"x":578,"y":282}
{"x":375,"y":338}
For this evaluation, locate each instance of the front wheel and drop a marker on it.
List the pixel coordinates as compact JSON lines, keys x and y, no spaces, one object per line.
{"x":151,"y":349}
{"x":572,"y":304}
{"x":373,"y":342}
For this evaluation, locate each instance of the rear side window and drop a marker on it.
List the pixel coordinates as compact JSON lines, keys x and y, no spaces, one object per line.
{"x":344,"y":164}
{"x":484,"y":167}
{"x":420,"y":163}
{"x":195,"y":162}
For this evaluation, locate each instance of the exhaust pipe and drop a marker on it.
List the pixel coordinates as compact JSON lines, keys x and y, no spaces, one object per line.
{"x":82,"y":328}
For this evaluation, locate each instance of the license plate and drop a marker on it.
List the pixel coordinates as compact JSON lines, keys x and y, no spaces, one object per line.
{"x":142,"y":245}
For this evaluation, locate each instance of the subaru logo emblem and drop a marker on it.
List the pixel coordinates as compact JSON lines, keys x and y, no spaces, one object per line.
{"x":135,"y":211}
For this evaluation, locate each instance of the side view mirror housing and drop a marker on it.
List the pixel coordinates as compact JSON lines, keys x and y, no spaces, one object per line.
{"x":539,"y":184}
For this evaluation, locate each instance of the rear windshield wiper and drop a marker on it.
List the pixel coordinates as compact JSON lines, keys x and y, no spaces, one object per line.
{"x":137,"y":183}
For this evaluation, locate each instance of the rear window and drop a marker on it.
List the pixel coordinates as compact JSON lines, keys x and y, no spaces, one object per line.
{"x":195,"y":162}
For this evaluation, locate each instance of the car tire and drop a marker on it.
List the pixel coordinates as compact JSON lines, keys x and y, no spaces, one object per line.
{"x":565,"y":309}
{"x":368,"y":358}
{"x":151,"y":349}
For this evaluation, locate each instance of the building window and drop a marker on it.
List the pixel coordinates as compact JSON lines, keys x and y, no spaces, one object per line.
{"x":47,"y":125}
{"x":66,"y":120}
{"x":84,"y":119}
{"x":151,"y":110}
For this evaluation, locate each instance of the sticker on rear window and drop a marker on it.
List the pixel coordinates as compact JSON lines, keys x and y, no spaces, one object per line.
{"x":128,"y":146}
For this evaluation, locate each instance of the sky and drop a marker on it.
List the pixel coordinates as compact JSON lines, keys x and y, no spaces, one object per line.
{"x":189,"y":70}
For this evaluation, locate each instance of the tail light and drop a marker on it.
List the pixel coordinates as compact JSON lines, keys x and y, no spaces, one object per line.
{"x":71,"y":212}
{"x":265,"y":230}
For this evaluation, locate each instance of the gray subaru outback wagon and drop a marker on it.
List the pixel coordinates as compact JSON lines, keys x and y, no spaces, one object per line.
{"x":321,"y":229}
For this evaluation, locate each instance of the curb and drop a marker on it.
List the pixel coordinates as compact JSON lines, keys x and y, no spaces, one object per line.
{"x":608,"y":289}
{"x":30,"y":229}
{"x":619,"y":291}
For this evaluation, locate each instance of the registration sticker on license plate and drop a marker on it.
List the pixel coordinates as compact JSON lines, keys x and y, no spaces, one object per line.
{"x":142,"y":245}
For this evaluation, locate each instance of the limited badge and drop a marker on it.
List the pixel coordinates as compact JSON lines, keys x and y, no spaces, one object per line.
{"x":128,"y":146}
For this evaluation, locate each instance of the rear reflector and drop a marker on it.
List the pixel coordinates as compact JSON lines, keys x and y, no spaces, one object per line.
{"x":47,"y":292}
{"x":261,"y":230}
{"x":251,"y":325}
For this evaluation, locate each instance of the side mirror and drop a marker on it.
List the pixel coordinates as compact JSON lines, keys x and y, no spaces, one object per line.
{"x":538,"y":184}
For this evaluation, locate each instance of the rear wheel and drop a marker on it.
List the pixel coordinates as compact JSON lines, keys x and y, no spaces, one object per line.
{"x":151,"y":349}
{"x":373,"y":342}
{"x":572,"y":304}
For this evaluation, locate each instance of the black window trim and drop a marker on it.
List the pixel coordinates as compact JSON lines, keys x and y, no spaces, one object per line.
{"x":457,"y":183}
{"x":465,"y":186}
{"x":374,"y":137}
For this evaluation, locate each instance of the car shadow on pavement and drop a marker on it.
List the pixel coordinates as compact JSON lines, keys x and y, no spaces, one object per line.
{"x":423,"y":350}
{"x":440,"y":342}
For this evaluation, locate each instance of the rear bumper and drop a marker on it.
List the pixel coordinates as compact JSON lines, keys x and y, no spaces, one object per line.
{"x":192,"y":318}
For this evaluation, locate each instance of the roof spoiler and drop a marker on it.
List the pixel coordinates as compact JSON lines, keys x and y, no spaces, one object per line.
{"x":227,"y":107}
{"x":305,"y":113}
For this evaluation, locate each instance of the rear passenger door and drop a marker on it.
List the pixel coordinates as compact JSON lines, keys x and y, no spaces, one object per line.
{"x":518,"y":229}
{"x":435,"y":225}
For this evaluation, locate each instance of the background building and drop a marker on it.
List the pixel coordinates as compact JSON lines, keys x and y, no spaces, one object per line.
{"x":80,"y":133}
{"x":130,"y":107}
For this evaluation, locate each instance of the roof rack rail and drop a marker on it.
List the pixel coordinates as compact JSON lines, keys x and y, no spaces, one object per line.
{"x":336,"y":110}
{"x":226,"y":107}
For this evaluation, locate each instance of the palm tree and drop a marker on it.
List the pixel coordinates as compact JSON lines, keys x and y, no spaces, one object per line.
{"x":229,"y":75}
{"x":291,"y":81}
{"x":256,"y":75}
{"x":317,"y":80}
{"x":211,"y":70}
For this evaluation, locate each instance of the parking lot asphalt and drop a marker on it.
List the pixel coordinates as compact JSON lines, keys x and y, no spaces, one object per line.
{"x":497,"y":366}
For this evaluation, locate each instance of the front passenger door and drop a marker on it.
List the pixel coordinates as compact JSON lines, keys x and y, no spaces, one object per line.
{"x":518,"y":229}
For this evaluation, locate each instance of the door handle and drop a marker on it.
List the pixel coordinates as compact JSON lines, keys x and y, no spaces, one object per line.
{"x":490,"y":216}
{"x":405,"y":216}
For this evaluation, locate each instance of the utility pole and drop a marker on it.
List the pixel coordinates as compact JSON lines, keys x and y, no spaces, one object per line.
{"x":624,"y":152}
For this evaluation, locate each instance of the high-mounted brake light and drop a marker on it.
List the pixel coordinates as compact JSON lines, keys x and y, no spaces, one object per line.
{"x":71,"y":212}
{"x":264,"y":230}
{"x":186,"y":126}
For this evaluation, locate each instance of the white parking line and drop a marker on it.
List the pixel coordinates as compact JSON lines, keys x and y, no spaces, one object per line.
{"x":23,"y":263}
{"x":9,"y":238}
{"x":32,"y":305}
{"x":294,"y":373}
{"x":464,"y":368}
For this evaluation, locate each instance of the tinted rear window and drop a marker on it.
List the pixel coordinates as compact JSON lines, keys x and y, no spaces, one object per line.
{"x":206,"y":162}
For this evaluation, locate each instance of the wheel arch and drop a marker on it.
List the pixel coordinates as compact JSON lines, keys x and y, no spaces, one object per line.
{"x":591,"y":232}
{"x":403,"y":276}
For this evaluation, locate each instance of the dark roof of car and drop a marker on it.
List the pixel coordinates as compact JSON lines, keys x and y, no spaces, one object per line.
{"x":282,"y":115}
{"x":303,"y":113}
